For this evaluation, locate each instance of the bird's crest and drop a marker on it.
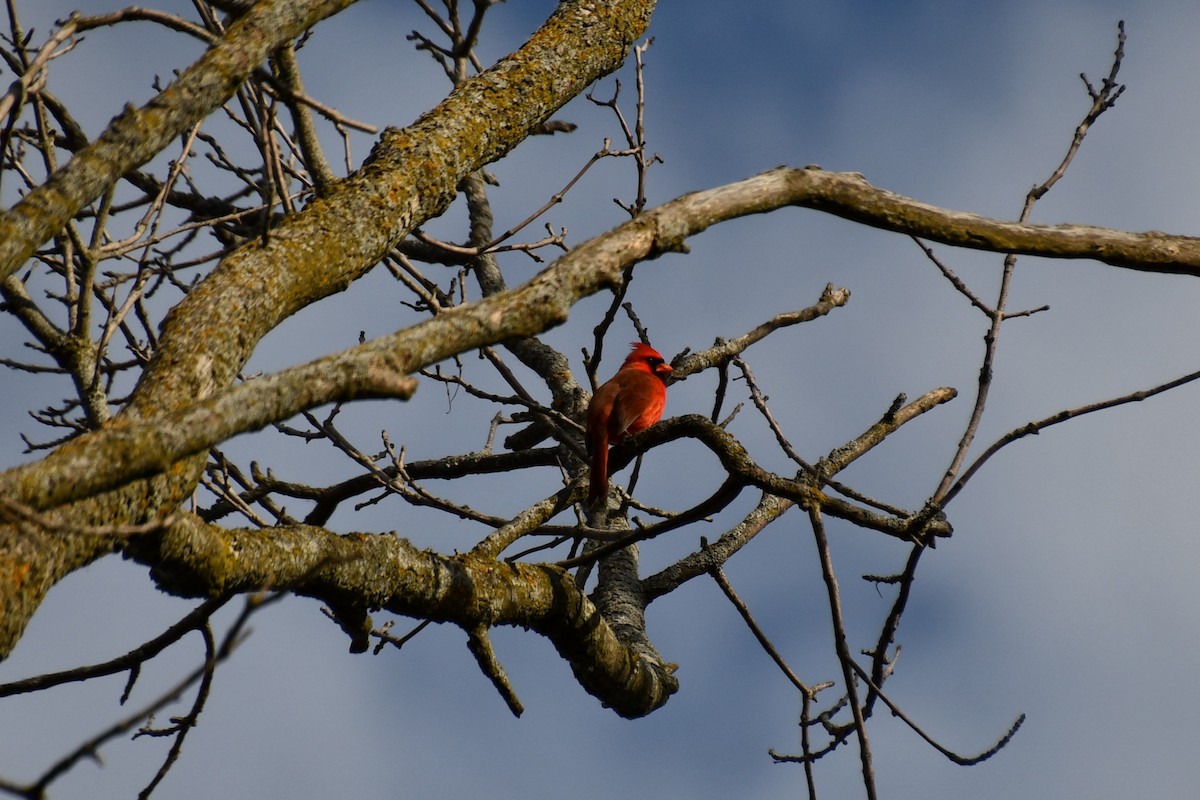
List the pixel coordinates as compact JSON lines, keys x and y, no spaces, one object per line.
{"x":643,"y":354}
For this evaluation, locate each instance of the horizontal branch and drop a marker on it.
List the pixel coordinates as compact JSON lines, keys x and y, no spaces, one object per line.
{"x":193,"y":620}
{"x":850,"y":196}
{"x":447,"y":468}
{"x":387,"y":572}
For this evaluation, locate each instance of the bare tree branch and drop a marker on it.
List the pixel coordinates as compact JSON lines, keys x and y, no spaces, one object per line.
{"x":138,"y":135}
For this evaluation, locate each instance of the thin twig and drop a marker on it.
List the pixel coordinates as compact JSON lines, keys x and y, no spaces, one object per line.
{"x":845,"y":658}
{"x":1037,"y":426}
{"x":768,"y":647}
{"x":1102,"y":100}
{"x":965,"y":761}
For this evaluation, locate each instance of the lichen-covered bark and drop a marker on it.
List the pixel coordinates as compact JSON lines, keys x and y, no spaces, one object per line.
{"x":383,"y":571}
{"x":410,"y":177}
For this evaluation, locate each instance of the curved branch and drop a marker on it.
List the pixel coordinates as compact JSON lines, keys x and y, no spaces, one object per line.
{"x":961,"y":760}
{"x":545,"y":301}
{"x":850,"y":196}
{"x":387,"y":572}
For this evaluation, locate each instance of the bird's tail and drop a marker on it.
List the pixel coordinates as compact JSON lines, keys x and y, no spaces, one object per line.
{"x":598,"y":479}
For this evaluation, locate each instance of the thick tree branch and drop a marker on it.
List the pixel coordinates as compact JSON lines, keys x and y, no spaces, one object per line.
{"x":411,"y":176}
{"x":545,"y":301}
{"x":387,"y":572}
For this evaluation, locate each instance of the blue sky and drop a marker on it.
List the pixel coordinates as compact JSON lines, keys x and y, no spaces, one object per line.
{"x":1067,"y":592}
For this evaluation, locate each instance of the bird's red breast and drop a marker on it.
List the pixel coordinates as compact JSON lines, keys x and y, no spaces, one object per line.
{"x":628,"y":403}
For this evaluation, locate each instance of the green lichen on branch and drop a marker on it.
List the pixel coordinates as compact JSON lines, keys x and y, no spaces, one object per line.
{"x":385,"y":571}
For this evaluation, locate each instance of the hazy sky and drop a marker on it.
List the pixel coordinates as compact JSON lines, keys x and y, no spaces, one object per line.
{"x":1068,"y":590}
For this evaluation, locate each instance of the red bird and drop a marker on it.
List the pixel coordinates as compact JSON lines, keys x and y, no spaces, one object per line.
{"x":631,"y":401}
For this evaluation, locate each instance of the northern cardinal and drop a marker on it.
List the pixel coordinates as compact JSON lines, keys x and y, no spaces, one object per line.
{"x":629,"y":402}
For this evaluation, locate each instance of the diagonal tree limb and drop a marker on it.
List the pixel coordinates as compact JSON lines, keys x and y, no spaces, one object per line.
{"x":711,"y":556}
{"x":545,"y":301}
{"x":411,"y":176}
